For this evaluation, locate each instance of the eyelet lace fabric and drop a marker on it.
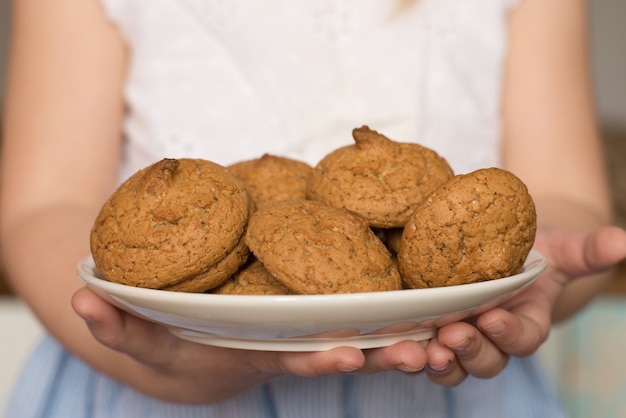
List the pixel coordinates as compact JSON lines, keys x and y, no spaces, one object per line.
{"x":230,"y":80}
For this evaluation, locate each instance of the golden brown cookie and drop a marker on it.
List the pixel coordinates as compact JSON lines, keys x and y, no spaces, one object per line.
{"x":314,"y":248}
{"x":271,"y":178}
{"x":381,"y":179}
{"x":215,"y":275}
{"x":170,"y":223}
{"x":252,"y":279}
{"x":478,"y":226}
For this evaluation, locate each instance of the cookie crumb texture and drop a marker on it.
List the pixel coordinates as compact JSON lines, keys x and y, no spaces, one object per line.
{"x":479,"y":226}
{"x":381,"y":179}
{"x":170,"y":223}
{"x":313,"y":248}
{"x":271,"y":178}
{"x":252,"y":279}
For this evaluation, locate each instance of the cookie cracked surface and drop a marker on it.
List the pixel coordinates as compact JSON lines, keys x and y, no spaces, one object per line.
{"x":169,"y":223}
{"x":252,"y":279}
{"x":381,"y":179}
{"x":271,"y":178}
{"x":478,"y":226}
{"x":313,"y":248}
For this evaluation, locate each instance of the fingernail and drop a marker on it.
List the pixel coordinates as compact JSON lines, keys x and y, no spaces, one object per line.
{"x":439,"y":368}
{"x":462,"y":346}
{"x":346,"y":368}
{"x":408,"y":369}
{"x":495,"y":329}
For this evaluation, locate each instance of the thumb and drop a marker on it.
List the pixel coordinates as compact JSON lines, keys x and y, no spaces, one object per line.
{"x":119,"y":330}
{"x":105,"y":322}
{"x":578,"y":254}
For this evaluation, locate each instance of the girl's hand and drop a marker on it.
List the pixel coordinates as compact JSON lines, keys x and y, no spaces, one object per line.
{"x":522,"y":324}
{"x":182,"y":371}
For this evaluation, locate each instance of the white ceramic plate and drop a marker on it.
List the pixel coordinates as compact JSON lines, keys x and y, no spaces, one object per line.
{"x":310,"y":322}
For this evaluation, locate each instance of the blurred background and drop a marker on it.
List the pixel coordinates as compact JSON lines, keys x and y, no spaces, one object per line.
{"x":585,"y":356}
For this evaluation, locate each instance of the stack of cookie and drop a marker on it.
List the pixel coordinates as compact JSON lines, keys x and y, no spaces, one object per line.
{"x":377,"y":215}
{"x":176,"y":225}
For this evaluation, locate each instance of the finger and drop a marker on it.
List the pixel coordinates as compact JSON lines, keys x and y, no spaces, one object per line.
{"x":312,"y":364}
{"x":474,"y":352}
{"x":405,"y":356}
{"x":604,"y":248}
{"x":442,"y":366}
{"x":518,"y":334}
{"x":121,"y":331}
{"x":580,"y":254}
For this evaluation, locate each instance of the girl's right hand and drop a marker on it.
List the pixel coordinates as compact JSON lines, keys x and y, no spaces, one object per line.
{"x":177,"y":370}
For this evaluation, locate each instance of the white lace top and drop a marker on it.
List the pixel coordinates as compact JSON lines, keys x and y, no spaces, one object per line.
{"x":230,"y":80}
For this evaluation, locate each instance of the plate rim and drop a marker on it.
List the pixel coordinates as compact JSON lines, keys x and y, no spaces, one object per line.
{"x":220,"y":322}
{"x":534,"y":266}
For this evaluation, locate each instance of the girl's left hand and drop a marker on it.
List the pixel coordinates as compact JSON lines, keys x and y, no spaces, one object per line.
{"x":519,"y":327}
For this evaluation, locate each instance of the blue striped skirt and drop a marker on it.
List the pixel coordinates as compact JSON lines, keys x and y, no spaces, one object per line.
{"x":56,"y":384}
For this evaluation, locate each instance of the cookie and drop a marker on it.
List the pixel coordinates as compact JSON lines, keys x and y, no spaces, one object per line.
{"x":252,"y":279}
{"x":478,"y":226}
{"x":216,"y":274}
{"x":170,"y":223}
{"x":381,"y":179}
{"x":313,"y":248}
{"x":271,"y":178}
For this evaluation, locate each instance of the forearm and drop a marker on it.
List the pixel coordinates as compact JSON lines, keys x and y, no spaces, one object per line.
{"x":41,"y":252}
{"x":550,"y":130}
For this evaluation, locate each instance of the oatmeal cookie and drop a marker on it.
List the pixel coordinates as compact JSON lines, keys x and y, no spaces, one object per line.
{"x":313,"y":248}
{"x":216,"y":274}
{"x":271,"y":178}
{"x":252,"y":279}
{"x":478,"y":226}
{"x":170,"y":223}
{"x":381,"y":179}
